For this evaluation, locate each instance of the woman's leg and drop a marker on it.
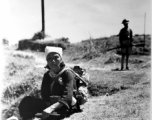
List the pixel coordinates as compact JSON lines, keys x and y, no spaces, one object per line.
{"x":39,"y":105}
{"x":29,"y":106}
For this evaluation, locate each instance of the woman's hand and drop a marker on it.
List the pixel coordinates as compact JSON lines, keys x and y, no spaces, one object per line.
{"x":50,"y":109}
{"x":47,"y":112}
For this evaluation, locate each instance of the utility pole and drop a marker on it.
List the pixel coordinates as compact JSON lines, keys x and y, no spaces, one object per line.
{"x":43,"y":16}
{"x":144,"y":31}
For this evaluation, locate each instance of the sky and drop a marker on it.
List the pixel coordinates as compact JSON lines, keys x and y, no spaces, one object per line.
{"x":76,"y":19}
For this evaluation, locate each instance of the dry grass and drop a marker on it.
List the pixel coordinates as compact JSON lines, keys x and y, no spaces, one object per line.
{"x":21,"y":77}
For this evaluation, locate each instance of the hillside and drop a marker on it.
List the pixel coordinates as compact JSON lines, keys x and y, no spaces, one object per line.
{"x":129,"y":91}
{"x":87,"y":48}
{"x":92,"y":48}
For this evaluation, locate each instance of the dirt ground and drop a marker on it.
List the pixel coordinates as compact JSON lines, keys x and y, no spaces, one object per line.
{"x":132,"y":103}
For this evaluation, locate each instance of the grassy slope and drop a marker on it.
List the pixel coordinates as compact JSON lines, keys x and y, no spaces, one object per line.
{"x":22,"y":75}
{"x":131,"y":103}
{"x":129,"y":91}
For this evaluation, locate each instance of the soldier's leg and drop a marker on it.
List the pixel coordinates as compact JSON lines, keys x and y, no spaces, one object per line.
{"x":129,"y":49}
{"x":122,"y":61}
{"x":127,"y":59}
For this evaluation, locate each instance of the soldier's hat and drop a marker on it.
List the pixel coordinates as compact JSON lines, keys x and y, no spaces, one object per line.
{"x":125,"y":21}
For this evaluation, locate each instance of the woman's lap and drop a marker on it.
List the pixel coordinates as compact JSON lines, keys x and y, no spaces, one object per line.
{"x":30,"y":106}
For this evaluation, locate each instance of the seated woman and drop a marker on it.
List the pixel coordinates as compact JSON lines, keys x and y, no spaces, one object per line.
{"x":56,"y":92}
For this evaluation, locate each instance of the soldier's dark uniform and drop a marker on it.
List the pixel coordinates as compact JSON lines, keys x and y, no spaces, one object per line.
{"x":125,"y":39}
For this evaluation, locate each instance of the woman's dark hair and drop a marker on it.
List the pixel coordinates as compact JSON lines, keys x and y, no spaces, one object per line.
{"x":62,"y":64}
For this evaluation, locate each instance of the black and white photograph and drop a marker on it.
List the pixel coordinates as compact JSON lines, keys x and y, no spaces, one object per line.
{"x":75,"y":59}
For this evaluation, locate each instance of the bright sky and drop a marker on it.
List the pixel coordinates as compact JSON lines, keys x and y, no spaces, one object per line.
{"x":76,"y":19}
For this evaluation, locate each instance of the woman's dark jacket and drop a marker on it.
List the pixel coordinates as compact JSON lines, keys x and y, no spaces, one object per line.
{"x":65,"y":90}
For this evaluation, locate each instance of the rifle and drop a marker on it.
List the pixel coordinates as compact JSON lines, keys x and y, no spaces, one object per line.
{"x":136,"y":45}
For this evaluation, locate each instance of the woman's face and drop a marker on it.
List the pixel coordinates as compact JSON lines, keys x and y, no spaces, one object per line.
{"x":53,"y":61}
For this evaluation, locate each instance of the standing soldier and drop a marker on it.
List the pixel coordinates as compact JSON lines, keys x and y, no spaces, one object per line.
{"x":125,"y":39}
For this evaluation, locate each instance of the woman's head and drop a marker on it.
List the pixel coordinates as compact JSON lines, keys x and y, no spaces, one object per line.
{"x":54,"y":58}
